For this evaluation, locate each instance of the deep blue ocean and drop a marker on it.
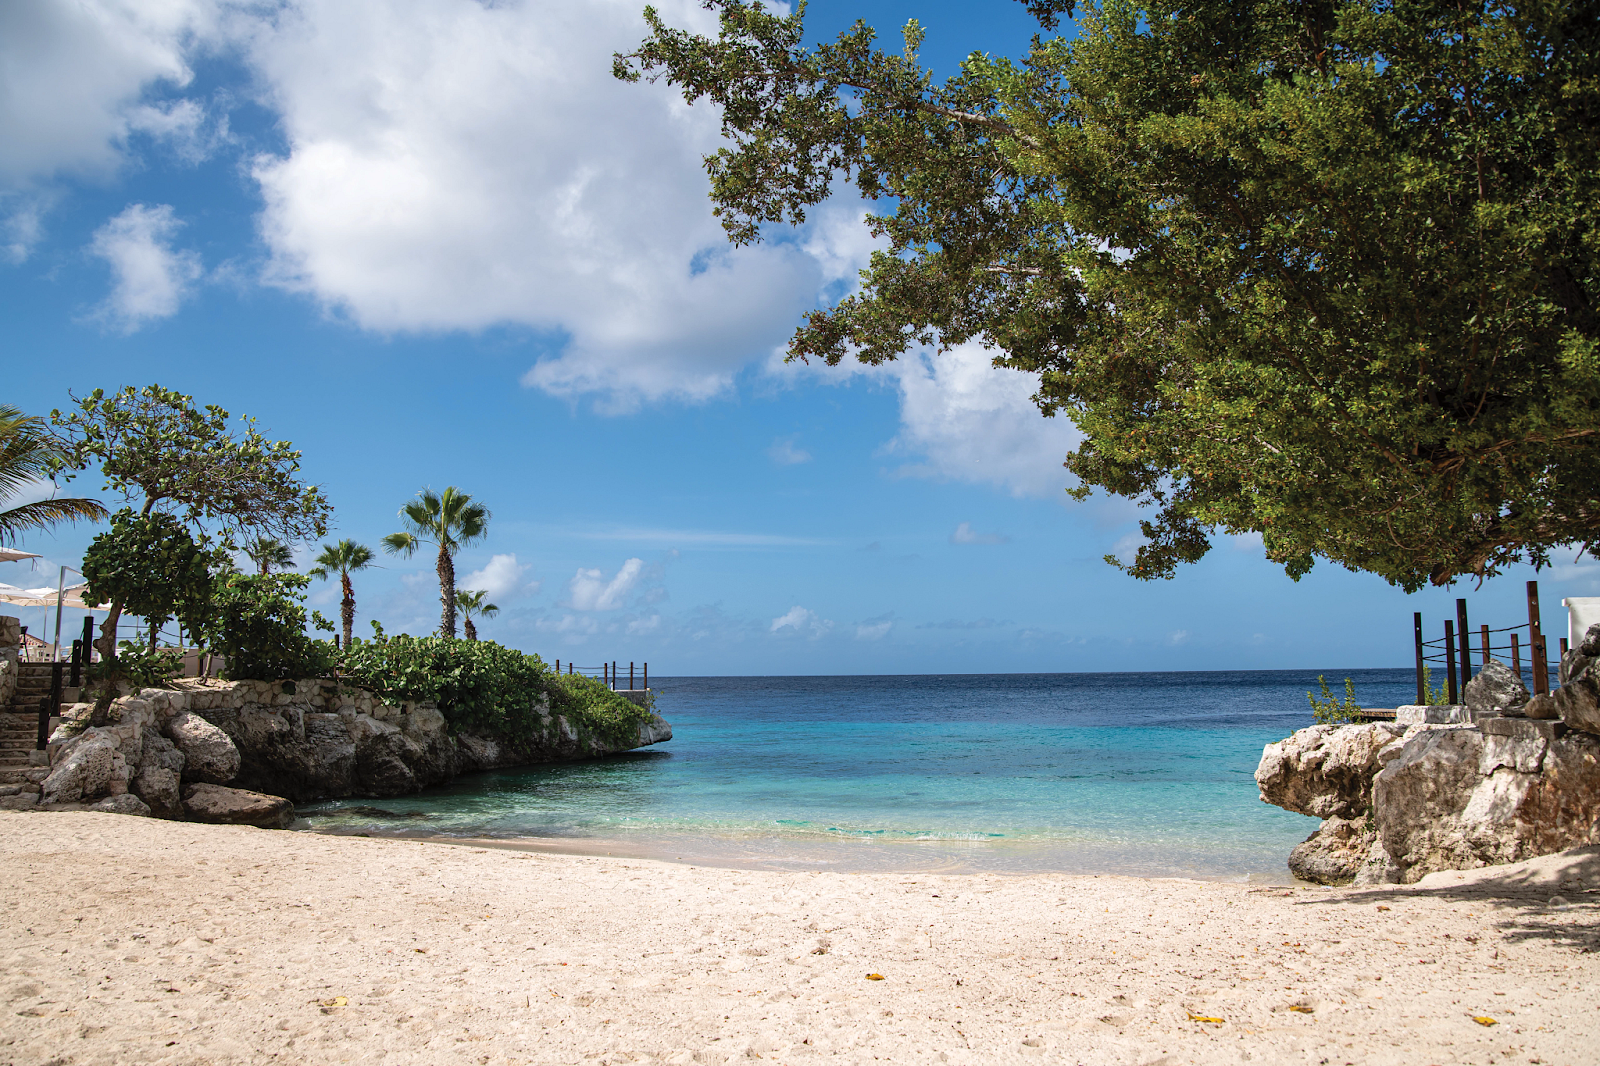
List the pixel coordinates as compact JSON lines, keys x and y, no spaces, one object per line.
{"x":1148,"y":774}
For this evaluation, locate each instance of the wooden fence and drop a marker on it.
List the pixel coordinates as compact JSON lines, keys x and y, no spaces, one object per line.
{"x":1453,"y":651}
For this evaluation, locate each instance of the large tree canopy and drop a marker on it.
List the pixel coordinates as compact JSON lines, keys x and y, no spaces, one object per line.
{"x":1321,"y":270}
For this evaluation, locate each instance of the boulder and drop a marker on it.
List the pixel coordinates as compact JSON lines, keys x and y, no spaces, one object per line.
{"x":127,"y":803}
{"x":209,"y":753}
{"x":1541,"y":708}
{"x":1325,"y":771}
{"x":82,"y":770}
{"x":236,"y":806}
{"x":1334,"y":854}
{"x":1495,"y":690}
{"x":1578,"y":701}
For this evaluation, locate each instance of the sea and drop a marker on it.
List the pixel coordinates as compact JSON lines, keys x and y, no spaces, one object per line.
{"x":1146,"y":774}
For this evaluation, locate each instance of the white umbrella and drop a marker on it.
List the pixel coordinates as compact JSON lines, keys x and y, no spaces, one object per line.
{"x":11,"y":555}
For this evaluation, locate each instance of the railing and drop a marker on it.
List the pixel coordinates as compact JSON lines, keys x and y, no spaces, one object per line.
{"x":609,"y":674}
{"x":1453,"y":651}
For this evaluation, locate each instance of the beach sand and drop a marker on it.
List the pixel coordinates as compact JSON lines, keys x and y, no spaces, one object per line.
{"x":131,"y":940}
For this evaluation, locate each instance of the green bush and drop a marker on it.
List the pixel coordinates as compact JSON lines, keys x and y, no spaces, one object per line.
{"x":484,"y":687}
{"x":1328,"y":710}
{"x":258,"y":625}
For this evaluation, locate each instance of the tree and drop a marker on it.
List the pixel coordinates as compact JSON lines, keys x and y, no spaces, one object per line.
{"x":269,"y":553}
{"x":470,"y":602}
{"x":341,"y":559}
{"x":449,"y":520}
{"x":164,"y":455}
{"x":28,"y":455}
{"x":1324,"y":271}
{"x":259,"y":624}
{"x":150,"y":566}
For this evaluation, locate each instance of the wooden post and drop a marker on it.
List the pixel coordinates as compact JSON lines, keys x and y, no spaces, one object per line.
{"x":1541,"y":676}
{"x":88,"y":640}
{"x":558,"y":666}
{"x":647,"y":677}
{"x":77,"y":663}
{"x":1486,"y":648}
{"x":1516,"y":655}
{"x":1422,"y":686}
{"x":613,"y":675}
{"x":55,"y":687}
{"x":630,"y":673}
{"x":1450,"y":660}
{"x":1543,"y":652}
{"x":1564,"y":648}
{"x":44,"y":724}
{"x":1465,"y":636}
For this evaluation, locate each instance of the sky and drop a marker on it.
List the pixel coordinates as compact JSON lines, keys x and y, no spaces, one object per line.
{"x":433,"y":242}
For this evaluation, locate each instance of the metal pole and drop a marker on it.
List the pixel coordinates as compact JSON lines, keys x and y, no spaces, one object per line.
{"x":1465,"y":636}
{"x":1541,"y":679}
{"x":1450,"y":659}
{"x":1422,"y":686}
{"x":1485,"y":641}
{"x":61,"y":585}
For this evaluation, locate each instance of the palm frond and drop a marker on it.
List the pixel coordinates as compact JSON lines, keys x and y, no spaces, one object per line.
{"x":45,"y":514}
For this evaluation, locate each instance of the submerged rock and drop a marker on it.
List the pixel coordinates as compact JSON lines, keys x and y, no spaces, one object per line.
{"x":1325,"y":771}
{"x":237,"y":806}
{"x":1495,"y":690}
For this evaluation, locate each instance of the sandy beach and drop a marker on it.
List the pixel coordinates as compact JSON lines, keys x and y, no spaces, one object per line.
{"x":131,"y":940}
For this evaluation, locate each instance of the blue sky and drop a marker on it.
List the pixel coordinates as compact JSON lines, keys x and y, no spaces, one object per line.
{"x":433,"y":243}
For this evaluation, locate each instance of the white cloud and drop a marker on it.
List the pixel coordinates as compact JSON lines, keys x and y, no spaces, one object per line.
{"x":965,"y":534}
{"x":1127,"y":548}
{"x":501,"y":578}
{"x":590,"y":591}
{"x":876,"y":629}
{"x":969,"y":420}
{"x":149,"y":278}
{"x":784,"y":452}
{"x":459,"y":165}
{"x":803,"y":621}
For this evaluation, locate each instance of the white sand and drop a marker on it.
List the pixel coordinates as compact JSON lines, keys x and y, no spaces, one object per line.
{"x":129,"y":940}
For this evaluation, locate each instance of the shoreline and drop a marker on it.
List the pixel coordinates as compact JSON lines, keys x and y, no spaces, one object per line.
{"x":130,"y":939}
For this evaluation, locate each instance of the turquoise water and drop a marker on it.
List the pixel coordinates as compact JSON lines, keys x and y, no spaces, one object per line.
{"x":1101,"y":773}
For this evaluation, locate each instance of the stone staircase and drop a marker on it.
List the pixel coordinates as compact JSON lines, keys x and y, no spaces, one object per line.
{"x":19,"y":726}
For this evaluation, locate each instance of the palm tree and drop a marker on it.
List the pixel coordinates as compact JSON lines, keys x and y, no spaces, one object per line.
{"x":267,"y":553}
{"x":450,"y":520}
{"x":27,"y":456}
{"x":341,"y":558}
{"x":471,"y":603}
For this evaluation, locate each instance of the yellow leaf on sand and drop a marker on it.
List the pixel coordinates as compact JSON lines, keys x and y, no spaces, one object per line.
{"x":336,"y":1001}
{"x":1482,"y":1019}
{"x":1193,"y":1017}
{"x":1301,"y":1008}
{"x":874,"y":976}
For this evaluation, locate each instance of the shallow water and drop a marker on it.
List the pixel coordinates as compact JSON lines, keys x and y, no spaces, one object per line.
{"x":1148,"y":774}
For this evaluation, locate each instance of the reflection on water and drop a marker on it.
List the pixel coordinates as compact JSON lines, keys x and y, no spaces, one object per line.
{"x":1113,"y":773}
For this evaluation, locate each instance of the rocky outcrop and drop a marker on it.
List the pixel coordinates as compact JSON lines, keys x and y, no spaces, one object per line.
{"x":236,"y":806}
{"x":1335,"y":853}
{"x":300,"y":741}
{"x":1325,"y":771}
{"x":1495,"y":690}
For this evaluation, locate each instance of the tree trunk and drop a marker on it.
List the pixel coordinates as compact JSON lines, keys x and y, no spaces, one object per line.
{"x":447,"y":594}
{"x":107,"y":643}
{"x":347,"y":606}
{"x":470,"y":629}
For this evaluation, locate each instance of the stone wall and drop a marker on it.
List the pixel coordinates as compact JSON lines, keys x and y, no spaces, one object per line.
{"x":10,"y":653}
{"x":1498,"y":779}
{"x":192,"y":750}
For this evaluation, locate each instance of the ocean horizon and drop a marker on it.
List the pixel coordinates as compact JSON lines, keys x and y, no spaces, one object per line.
{"x":1148,"y":774}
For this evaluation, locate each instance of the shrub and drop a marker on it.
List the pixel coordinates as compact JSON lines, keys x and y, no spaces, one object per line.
{"x":485,"y":687}
{"x":258,"y":625}
{"x":1328,"y":710}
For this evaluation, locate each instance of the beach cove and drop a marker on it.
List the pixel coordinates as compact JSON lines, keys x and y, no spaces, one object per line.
{"x":140,"y":940}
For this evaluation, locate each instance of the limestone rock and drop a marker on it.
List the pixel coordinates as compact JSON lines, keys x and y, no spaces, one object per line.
{"x":237,"y":806}
{"x":1495,"y":690}
{"x":654,"y":731}
{"x":1334,"y":854}
{"x":1325,"y":771}
{"x":83,"y":771}
{"x":22,"y":801}
{"x":209,"y":753}
{"x":127,"y":803}
{"x":1541,"y":708}
{"x":1578,"y":701}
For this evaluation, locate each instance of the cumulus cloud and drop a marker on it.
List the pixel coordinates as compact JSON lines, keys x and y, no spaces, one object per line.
{"x":803,"y":621}
{"x":590,"y":591}
{"x":785,"y":453}
{"x":965,"y":534}
{"x":501,"y":578}
{"x":874,"y":628}
{"x":964,"y":419}
{"x":149,"y":278}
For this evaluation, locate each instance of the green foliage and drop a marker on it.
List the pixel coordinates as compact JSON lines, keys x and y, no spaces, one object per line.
{"x":1437,"y":697}
{"x":152,"y":567}
{"x":450,"y":519}
{"x":259,"y":623}
{"x":483,"y":687}
{"x":142,"y":668}
{"x":269,"y":554}
{"x":162,"y":453}
{"x":28,"y":454}
{"x":1325,"y":272}
{"x":1328,"y":710}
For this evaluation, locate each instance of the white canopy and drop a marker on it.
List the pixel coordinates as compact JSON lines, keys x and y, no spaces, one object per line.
{"x":71,"y":596}
{"x":11,"y":555}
